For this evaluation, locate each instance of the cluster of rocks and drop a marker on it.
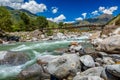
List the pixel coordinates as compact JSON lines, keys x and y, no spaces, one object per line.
{"x":36,"y":36}
{"x":76,"y":64}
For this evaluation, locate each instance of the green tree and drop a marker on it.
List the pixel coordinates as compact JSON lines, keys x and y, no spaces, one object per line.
{"x":41,"y":22}
{"x":5,"y":19}
{"x":26,"y":21}
{"x":25,"y":18}
{"x":61,"y":25}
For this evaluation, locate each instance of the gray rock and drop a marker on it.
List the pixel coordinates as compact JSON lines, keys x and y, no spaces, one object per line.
{"x":107,"y":76}
{"x":99,"y":60}
{"x":64,"y":65}
{"x":102,"y":54}
{"x":108,"y":61}
{"x":13,"y":58}
{"x":33,"y":72}
{"x":95,"y":71}
{"x":87,"y":60}
{"x":87,"y":78}
{"x":114,"y":69}
{"x":59,"y":36}
{"x":110,"y":44}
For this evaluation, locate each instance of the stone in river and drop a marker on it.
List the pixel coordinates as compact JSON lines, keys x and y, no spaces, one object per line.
{"x":87,"y":60}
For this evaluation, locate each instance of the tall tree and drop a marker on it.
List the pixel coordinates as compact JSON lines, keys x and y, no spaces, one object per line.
{"x":5,"y":19}
{"x":41,"y":22}
{"x":26,"y":21}
{"x":61,"y":25}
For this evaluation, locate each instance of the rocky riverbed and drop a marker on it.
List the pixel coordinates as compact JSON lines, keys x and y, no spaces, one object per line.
{"x":78,"y":64}
{"x":101,"y":62}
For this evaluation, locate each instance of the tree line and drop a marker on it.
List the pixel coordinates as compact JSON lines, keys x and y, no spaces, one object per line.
{"x":26,"y":23}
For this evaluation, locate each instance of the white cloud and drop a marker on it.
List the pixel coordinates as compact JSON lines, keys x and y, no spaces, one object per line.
{"x":54,"y":10}
{"x":34,"y":7}
{"x":109,"y":10}
{"x":31,"y":6}
{"x":14,"y":1}
{"x":57,"y":19}
{"x":95,"y":12}
{"x":69,"y":22}
{"x":101,"y":8}
{"x":84,"y":15}
{"x":79,"y":18}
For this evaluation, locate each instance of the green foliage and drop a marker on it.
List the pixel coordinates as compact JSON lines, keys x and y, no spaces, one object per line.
{"x":25,"y":18}
{"x":5,"y":19}
{"x":49,"y":32}
{"x":41,"y":22}
{"x":61,"y":25}
{"x":17,"y":20}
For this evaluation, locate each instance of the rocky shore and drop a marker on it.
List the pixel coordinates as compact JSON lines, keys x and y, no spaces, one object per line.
{"x":77,"y":63}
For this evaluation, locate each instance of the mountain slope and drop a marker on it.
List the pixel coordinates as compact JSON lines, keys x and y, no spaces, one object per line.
{"x":102,"y":19}
{"x":115,"y":21}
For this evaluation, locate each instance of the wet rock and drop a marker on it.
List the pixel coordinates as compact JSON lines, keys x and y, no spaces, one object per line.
{"x":87,"y":78}
{"x":114,"y":69}
{"x":76,"y":47}
{"x":13,"y":58}
{"x":87,"y":60}
{"x":64,"y":65}
{"x":33,"y":72}
{"x":110,"y":44}
{"x":47,"y":58}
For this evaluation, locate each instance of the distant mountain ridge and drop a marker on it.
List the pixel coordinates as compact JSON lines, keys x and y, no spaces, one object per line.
{"x":102,"y":19}
{"x":19,"y":10}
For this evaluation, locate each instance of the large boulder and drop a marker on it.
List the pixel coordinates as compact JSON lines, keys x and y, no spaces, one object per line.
{"x":114,"y":70}
{"x":108,"y":76}
{"x":110,"y":44}
{"x":87,"y":60}
{"x":95,"y":71}
{"x":64,"y":65}
{"x":13,"y":58}
{"x":87,"y":78}
{"x":33,"y":72}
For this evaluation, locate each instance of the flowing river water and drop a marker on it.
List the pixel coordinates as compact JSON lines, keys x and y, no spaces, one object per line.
{"x":34,"y":49}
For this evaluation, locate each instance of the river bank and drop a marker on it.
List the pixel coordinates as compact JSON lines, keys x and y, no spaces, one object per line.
{"x":74,"y":60}
{"x":37,"y":35}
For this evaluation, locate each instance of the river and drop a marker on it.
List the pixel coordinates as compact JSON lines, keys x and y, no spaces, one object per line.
{"x":34,"y":49}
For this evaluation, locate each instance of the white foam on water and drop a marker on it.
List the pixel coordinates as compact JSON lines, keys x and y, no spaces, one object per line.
{"x":20,"y":48}
{"x":2,"y":54}
{"x":6,"y":72}
{"x":13,"y":71}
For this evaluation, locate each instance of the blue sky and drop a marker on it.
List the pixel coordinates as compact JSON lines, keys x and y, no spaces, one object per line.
{"x":67,"y":10}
